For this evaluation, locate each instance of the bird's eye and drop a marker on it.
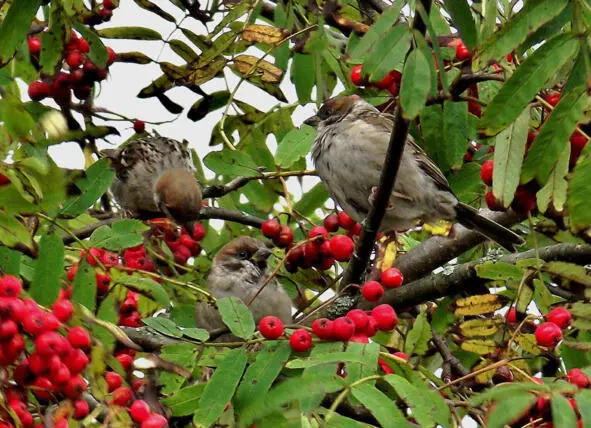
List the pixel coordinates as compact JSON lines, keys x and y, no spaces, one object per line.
{"x":323,"y":113}
{"x":242,"y":254}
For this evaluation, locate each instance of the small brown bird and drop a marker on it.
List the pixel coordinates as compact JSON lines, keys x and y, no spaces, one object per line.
{"x":239,"y":269}
{"x":352,"y":139}
{"x":155,"y":175}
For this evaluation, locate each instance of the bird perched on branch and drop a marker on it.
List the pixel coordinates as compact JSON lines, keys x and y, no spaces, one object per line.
{"x":155,"y":175}
{"x":349,"y":151}
{"x":240,"y":269}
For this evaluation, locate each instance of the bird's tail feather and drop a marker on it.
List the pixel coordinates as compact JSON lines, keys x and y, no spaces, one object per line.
{"x":469,"y":217}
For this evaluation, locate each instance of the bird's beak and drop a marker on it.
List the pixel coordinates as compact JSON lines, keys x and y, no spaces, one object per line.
{"x":312,"y":121}
{"x":261,"y":256}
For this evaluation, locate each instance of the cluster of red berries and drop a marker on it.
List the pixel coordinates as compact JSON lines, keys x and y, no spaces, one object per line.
{"x":52,"y":369}
{"x":356,"y":326}
{"x":80,"y":78}
{"x":186,"y":246}
{"x":524,"y":200}
{"x":391,"y":82}
{"x":102,"y":12}
{"x":372,"y":291}
{"x":549,"y":333}
{"x":321,"y":250}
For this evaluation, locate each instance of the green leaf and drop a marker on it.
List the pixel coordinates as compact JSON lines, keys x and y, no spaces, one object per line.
{"x":455,"y":137}
{"x":13,"y":232}
{"x":388,"y":54}
{"x":199,"y":334}
{"x":148,"y":5}
{"x":509,"y":151}
{"x":236,"y":315}
{"x":293,"y":389}
{"x":498,"y":271}
{"x":510,"y":409}
{"x":185,"y":401}
{"x":554,"y":135}
{"x":311,"y":200}
{"x":183,"y":50}
{"x":220,"y":389}
{"x":93,"y":186}
{"x":417,"y":340}
{"x":302,"y":76}
{"x":369,"y":354}
{"x":312,"y":401}
{"x":554,"y":191}
{"x":163,"y":326}
{"x":583,"y":399}
{"x":135,"y":33}
{"x":10,"y":261}
{"x":14,"y":27}
{"x":461,"y":16}
{"x":489,"y":21}
{"x":524,"y":84}
{"x":48,"y":270}
{"x":231,"y":163}
{"x":416,"y":84}
{"x":377,"y":32}
{"x":84,"y":288}
{"x":121,"y":234}
{"x":578,"y":193}
{"x":414,"y":398}
{"x":431,"y":119}
{"x":382,"y":407}
{"x":295,"y":145}
{"x":542,"y":296}
{"x":52,"y":41}
{"x":514,"y":31}
{"x":147,"y":287}
{"x":334,"y":357}
{"x":261,"y":374}
{"x":98,"y":52}
{"x":563,"y":415}
{"x":570,"y":271}
{"x":206,"y":105}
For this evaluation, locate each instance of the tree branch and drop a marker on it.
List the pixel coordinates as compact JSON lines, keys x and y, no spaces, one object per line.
{"x":231,"y":215}
{"x":372,"y":223}
{"x":448,"y":356}
{"x":463,"y":279}
{"x":86,"y":231}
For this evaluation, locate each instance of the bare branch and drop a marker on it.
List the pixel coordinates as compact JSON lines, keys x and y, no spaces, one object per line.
{"x":231,"y":215}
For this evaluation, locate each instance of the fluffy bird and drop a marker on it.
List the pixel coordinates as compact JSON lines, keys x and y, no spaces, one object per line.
{"x":155,"y":175}
{"x":239,"y":269}
{"x":352,"y":139}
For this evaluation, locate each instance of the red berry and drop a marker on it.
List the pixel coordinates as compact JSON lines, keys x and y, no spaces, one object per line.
{"x":74,"y":59}
{"x":181,"y":255}
{"x":108,"y":4}
{"x":462,"y":52}
{"x":394,"y":89}
{"x":359,"y":318}
{"x":354,"y":231}
{"x":112,"y":56}
{"x":552,"y":98}
{"x":63,"y":310}
{"x":72,"y":272}
{"x":102,"y":282}
{"x":372,"y":291}
{"x":81,"y":409}
{"x":341,"y":247}
{"x":271,"y":327}
{"x":511,"y":315}
{"x":560,"y":316}
{"x":385,"y":317}
{"x":125,"y":360}
{"x":385,"y":83}
{"x":343,"y":328}
{"x":372,"y":327}
{"x":60,"y":375}
{"x":323,"y":328}
{"x":475,"y":108}
{"x":401,"y":355}
{"x":139,"y":126}
{"x":577,"y":144}
{"x":39,"y":90}
{"x":300,"y":340}
{"x":331,"y":222}
{"x":548,"y":334}
{"x":114,"y":381}
{"x":93,"y":255}
{"x":139,"y":410}
{"x":492,"y":203}
{"x":356,"y":77}
{"x":134,"y":319}
{"x":359,"y":338}
{"x":396,"y":76}
{"x":345,"y":220}
{"x":4,"y":180}
{"x":110,"y":259}
{"x":10,"y":286}
{"x":8,"y":328}
{"x":105,"y":14}
{"x":285,"y":237}
{"x":524,"y":201}
{"x":392,"y":278}
{"x":486,"y":172}
{"x":82,"y":45}
{"x":384,"y":366}
{"x":76,"y":361}
{"x":155,"y":421}
{"x":319,"y":231}
{"x":198,"y":232}
{"x":34,"y":45}
{"x":122,"y":396}
{"x":577,"y":377}
{"x":271,"y":228}
{"x":61,"y":423}
{"x":42,"y":388}
{"x":79,"y":337}
{"x":51,"y":343}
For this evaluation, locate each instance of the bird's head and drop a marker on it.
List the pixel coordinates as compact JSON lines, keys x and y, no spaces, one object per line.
{"x":177,"y":194}
{"x":336,"y":109}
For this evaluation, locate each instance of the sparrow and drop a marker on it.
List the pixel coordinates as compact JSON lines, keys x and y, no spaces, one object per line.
{"x":154,"y":176}
{"x":349,"y":149}
{"x":239,"y":269}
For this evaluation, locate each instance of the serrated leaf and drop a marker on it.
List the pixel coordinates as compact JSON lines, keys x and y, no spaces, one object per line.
{"x":498,"y":271}
{"x":524,"y":84}
{"x":388,"y":54}
{"x":383,"y":408}
{"x":163,"y":326}
{"x":563,"y":415}
{"x":295,"y":145}
{"x":133,"y":58}
{"x":231,"y":163}
{"x":146,"y":287}
{"x":10,"y":261}
{"x":528,"y":343}
{"x":312,"y":199}
{"x":302,"y":76}
{"x":96,"y":183}
{"x":414,"y":398}
{"x":478,"y":305}
{"x":415,"y":86}
{"x":183,"y":50}
{"x":236,"y":12}
{"x":479,"y":346}
{"x":13,"y":232}
{"x":199,"y":334}
{"x":251,"y":65}
{"x":48,"y":270}
{"x":481,"y":327}
{"x":577,"y":197}
{"x":417,"y":339}
{"x":220,"y":44}
{"x":121,"y":234}
{"x":264,"y":34}
{"x":53,"y":41}
{"x":14,"y":27}
{"x":261,"y":374}
{"x":461,"y":16}
{"x":84,"y":290}
{"x":515,"y":30}
{"x":510,"y":409}
{"x":431,"y":118}
{"x":570,"y":271}
{"x":542,"y":296}
{"x":505,"y":390}
{"x":334,"y":357}
{"x":583,"y":399}
{"x":185,"y":401}
{"x":524,"y":298}
{"x":133,"y":33}
{"x":509,"y":152}
{"x":149,"y":6}
{"x":220,"y":389}
{"x":455,"y":136}
{"x":236,"y":315}
{"x":554,"y":191}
